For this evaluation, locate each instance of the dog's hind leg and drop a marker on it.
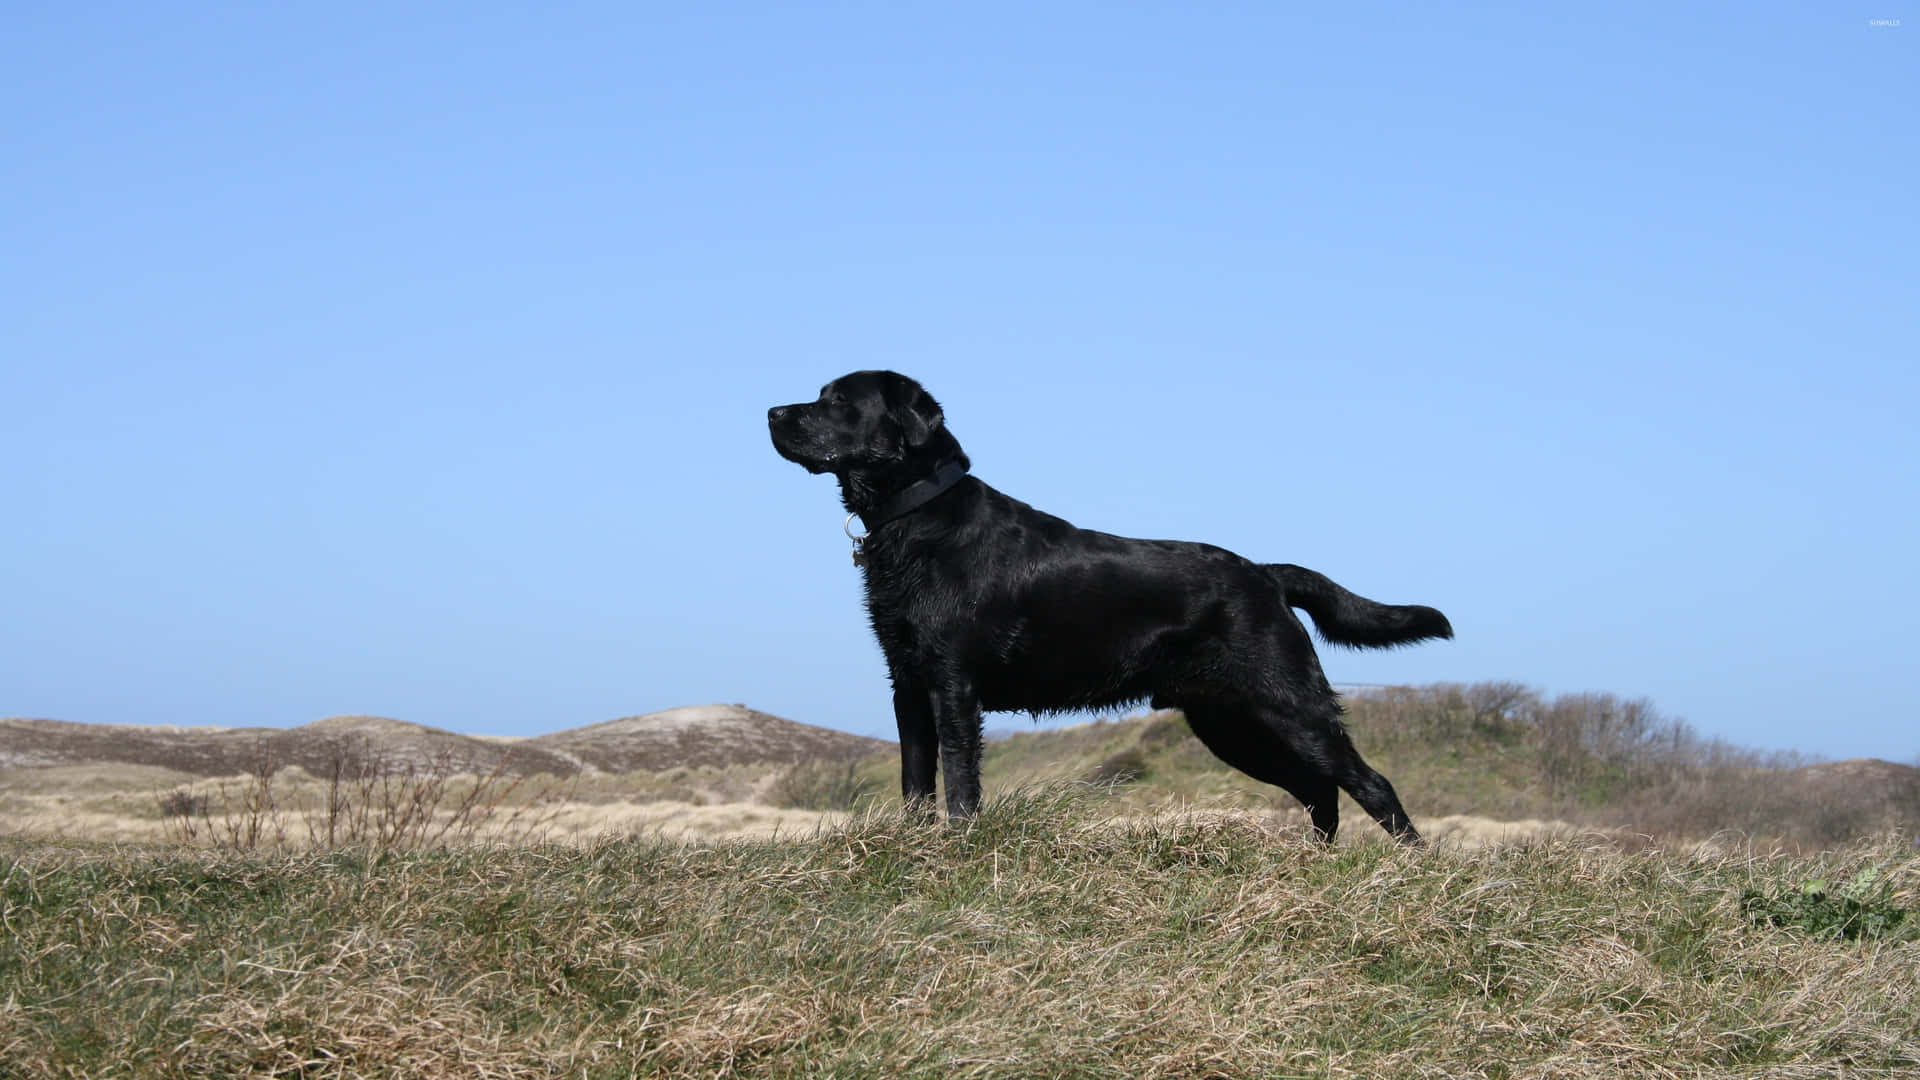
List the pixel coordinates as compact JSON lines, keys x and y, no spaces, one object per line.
{"x":1318,"y":794}
{"x":1310,"y":756}
{"x":1322,"y":744}
{"x":1243,"y":742}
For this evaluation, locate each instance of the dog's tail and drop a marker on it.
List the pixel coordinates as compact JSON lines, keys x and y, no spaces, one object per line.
{"x":1345,"y":618}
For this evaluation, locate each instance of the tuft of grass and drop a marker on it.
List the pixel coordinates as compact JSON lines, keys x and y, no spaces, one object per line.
{"x":1041,"y":939}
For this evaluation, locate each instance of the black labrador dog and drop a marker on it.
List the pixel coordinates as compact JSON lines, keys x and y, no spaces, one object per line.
{"x":982,"y":602}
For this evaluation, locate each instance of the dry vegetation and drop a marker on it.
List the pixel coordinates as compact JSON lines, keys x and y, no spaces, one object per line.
{"x":1600,"y":760}
{"x":354,"y":780}
{"x":364,"y":800}
{"x":1126,"y":907}
{"x":1044,"y":940}
{"x":1481,"y":763}
{"x":1499,"y":752}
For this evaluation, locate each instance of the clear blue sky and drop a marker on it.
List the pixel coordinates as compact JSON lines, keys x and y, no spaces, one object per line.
{"x":414,"y":360}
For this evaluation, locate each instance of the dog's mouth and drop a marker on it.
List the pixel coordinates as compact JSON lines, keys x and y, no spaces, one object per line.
{"x":786,"y":444}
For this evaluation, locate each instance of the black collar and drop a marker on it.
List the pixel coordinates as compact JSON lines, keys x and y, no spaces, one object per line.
{"x":918,"y":494}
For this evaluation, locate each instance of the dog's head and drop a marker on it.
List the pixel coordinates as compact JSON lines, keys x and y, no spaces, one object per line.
{"x":868,"y":425}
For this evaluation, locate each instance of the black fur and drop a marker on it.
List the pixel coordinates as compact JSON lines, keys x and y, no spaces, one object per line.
{"x":982,"y":602}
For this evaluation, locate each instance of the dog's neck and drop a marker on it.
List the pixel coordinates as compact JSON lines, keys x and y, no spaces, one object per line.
{"x":880,"y":499}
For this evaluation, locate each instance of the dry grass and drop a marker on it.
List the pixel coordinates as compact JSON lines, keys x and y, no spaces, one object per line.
{"x":289,"y":805}
{"x":573,"y":821}
{"x":1040,"y":941}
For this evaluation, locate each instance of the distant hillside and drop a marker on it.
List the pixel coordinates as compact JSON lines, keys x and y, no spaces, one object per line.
{"x":697,"y":735}
{"x":227,"y":751}
{"x":718,"y":735}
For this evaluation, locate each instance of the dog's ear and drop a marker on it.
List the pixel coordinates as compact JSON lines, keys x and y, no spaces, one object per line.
{"x":920,"y":418}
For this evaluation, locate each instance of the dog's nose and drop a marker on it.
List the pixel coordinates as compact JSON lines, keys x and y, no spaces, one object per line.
{"x":776,"y":414}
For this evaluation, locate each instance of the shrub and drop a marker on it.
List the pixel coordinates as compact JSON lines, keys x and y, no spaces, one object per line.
{"x":823,"y":785}
{"x":183,"y":803}
{"x":1123,"y":767}
{"x":1862,"y":908}
{"x":365,"y":800}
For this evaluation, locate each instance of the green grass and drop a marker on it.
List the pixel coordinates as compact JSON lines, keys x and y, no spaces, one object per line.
{"x":1043,"y":940}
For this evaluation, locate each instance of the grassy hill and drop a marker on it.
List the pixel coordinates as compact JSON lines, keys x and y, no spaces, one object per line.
{"x":1047,"y":939}
{"x":1170,"y":919}
{"x":1495,"y":751}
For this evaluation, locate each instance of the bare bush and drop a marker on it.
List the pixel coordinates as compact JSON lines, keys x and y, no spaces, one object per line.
{"x":365,"y":799}
{"x":1121,"y":767}
{"x":1601,"y":759}
{"x":249,"y":815}
{"x":1438,"y":714}
{"x":823,"y":785}
{"x":182,"y":803}
{"x":1597,"y":745}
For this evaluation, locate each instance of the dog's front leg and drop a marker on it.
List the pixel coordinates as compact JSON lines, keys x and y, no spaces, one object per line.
{"x":919,"y":746}
{"x":956,"y":715}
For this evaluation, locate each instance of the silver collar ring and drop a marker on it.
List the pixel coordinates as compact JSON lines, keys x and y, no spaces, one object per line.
{"x":847,"y":527}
